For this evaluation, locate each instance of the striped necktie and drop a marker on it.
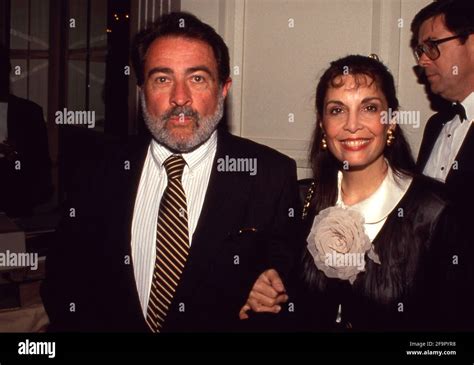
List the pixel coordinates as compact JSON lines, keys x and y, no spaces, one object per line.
{"x":172,"y":244}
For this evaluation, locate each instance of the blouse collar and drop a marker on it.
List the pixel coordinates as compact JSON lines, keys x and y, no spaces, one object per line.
{"x":379,"y":205}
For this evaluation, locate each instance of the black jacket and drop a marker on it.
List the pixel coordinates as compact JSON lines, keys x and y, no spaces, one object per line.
{"x":460,"y":181}
{"x":90,"y":270}
{"x":417,"y":246}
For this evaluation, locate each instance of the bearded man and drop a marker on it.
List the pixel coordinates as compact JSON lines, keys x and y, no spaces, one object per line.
{"x":171,"y":236}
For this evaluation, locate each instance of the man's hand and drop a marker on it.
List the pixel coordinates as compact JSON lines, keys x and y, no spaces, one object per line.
{"x":266,"y":295}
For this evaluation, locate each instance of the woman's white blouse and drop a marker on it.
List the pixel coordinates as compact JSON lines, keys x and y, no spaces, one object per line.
{"x":376,"y":208}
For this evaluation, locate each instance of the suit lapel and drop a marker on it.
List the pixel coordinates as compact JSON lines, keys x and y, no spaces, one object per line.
{"x":433,"y":129}
{"x":126,"y":179}
{"x":131,"y":183}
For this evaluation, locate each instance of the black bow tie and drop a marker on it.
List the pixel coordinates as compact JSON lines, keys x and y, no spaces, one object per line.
{"x":458,"y":109}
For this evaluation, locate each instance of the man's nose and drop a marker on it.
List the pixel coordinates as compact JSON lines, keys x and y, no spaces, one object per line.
{"x":423,"y":60}
{"x":180,"y":95}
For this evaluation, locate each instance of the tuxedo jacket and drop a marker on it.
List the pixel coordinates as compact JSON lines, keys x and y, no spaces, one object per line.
{"x":90,"y":283}
{"x":416,"y":288}
{"x":460,"y":181}
{"x":23,"y":188}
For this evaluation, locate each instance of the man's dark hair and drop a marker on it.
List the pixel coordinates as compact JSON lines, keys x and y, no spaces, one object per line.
{"x":458,"y":17}
{"x":180,"y":24}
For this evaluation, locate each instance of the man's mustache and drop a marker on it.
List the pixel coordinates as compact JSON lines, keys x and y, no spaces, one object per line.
{"x":180,"y":111}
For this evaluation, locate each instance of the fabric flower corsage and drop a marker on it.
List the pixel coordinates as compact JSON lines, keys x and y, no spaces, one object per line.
{"x":338,"y":243}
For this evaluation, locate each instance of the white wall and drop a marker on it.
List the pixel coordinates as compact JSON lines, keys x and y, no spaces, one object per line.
{"x":279,"y":48}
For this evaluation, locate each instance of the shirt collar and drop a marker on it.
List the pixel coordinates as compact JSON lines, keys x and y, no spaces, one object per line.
{"x":193,"y":159}
{"x":468,"y":105}
{"x":379,"y":205}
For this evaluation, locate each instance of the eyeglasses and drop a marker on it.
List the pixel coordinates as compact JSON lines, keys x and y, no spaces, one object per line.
{"x":430,"y":47}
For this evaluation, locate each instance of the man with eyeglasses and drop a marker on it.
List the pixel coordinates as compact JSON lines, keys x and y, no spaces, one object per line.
{"x":443,"y":43}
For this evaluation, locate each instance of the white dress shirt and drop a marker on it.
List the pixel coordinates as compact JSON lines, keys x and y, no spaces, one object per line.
{"x":449,"y":143}
{"x":376,"y":208}
{"x":153,"y":182}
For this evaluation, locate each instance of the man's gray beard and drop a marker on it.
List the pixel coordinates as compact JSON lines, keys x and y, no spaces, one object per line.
{"x":203,"y":130}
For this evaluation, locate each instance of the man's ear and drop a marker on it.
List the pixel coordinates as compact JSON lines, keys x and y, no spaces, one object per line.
{"x":226,"y":86}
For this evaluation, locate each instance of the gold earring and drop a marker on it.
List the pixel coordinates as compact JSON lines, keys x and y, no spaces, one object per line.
{"x":390,"y":137}
{"x":374,"y":56}
{"x":324,"y":144}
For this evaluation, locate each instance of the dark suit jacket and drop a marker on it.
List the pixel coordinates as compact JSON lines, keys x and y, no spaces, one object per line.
{"x":460,"y":181}
{"x":23,"y":188}
{"x":91,"y":272}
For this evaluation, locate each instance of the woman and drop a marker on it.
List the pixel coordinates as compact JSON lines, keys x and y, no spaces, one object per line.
{"x":381,"y":242}
{"x":382,"y":248}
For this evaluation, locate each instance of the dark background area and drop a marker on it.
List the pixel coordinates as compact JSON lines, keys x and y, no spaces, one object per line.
{"x":73,"y":54}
